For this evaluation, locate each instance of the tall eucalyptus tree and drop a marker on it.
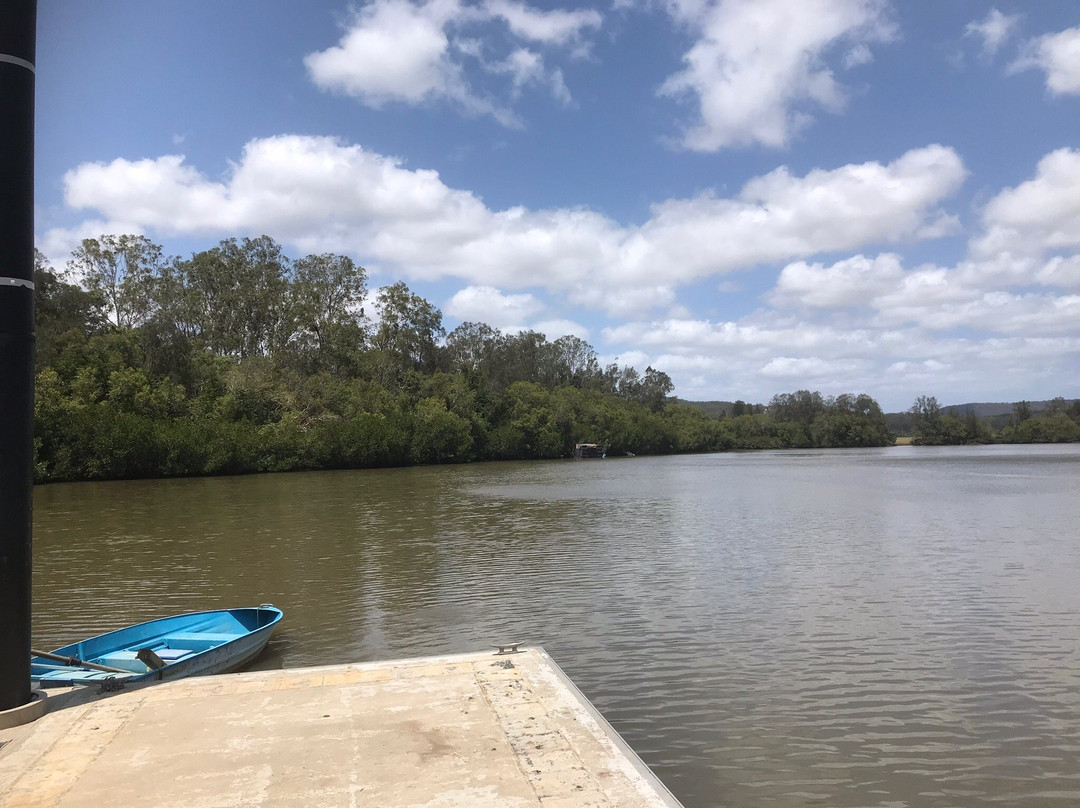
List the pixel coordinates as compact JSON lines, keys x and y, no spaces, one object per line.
{"x":123,"y":270}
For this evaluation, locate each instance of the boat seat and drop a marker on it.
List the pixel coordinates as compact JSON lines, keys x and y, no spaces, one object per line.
{"x":122,"y":659}
{"x":172,"y":654}
{"x":194,"y":641}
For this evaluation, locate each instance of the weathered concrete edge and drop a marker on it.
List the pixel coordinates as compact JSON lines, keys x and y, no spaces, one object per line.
{"x":614,"y":737}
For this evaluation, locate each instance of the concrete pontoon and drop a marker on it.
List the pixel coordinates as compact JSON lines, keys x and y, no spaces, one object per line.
{"x":468,"y":731}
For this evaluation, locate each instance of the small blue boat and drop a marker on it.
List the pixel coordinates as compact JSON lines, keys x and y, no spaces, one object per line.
{"x":193,"y":644}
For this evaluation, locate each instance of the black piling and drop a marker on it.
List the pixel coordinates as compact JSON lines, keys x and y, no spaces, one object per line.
{"x":18,"y":23}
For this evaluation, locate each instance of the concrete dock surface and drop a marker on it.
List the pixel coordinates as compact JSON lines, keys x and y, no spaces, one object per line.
{"x":476,"y":731}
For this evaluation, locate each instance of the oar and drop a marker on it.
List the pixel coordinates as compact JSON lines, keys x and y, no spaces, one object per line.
{"x":74,"y":662}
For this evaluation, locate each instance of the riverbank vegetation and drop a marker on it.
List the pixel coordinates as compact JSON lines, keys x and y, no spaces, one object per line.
{"x":242,"y":360}
{"x":1057,"y":421}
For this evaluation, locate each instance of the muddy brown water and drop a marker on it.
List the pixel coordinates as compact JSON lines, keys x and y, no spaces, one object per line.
{"x":893,"y":627}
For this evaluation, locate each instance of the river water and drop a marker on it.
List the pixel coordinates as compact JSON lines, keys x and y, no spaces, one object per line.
{"x":883,"y":627}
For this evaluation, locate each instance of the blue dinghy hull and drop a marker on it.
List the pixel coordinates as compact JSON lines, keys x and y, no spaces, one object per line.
{"x":196,"y":644}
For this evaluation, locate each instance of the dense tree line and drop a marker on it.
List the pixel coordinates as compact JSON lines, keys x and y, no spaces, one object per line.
{"x":1059,"y":422}
{"x":239,"y":359}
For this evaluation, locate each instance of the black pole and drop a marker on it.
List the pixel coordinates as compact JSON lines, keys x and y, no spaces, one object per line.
{"x":18,"y":24}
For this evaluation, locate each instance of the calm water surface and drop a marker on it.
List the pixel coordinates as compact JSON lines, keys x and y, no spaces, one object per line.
{"x":895,"y":627}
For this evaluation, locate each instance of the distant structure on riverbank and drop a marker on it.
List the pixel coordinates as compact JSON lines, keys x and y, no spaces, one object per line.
{"x":589,"y":450}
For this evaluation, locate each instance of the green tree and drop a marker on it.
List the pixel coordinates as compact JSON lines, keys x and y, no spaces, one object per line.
{"x":847,"y":429}
{"x":1056,"y":405}
{"x":575,"y":361}
{"x":654,"y":389}
{"x":408,"y":333}
{"x":123,"y":271}
{"x":327,"y":294}
{"x":801,"y":407}
{"x":926,"y":420}
{"x":850,"y":420}
{"x":61,"y":308}
{"x":528,"y":425}
{"x":233,"y":297}
{"x":1058,"y":428}
{"x":471,"y":347}
{"x":439,"y":436}
{"x":977,"y":431}
{"x":524,"y":357}
{"x":691,"y":430}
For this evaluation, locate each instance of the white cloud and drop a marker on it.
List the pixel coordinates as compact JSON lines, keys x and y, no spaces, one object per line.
{"x":183,"y":196}
{"x":486,"y":304}
{"x":555,"y":27}
{"x":319,"y":194}
{"x":859,"y":55}
{"x":992,"y":312}
{"x":757,"y":66}
{"x":992,"y":296}
{"x":1058,"y":55}
{"x":944,"y":224}
{"x":1002,"y":320}
{"x":1060,"y":271}
{"x":392,"y":50}
{"x":758,"y":339}
{"x":917,"y":295}
{"x":559,"y":90}
{"x":779,"y":217}
{"x":59,"y":243}
{"x":851,"y":282}
{"x":1038,"y":215}
{"x":629,"y":299}
{"x":553,"y":329}
{"x":758,"y":357}
{"x":1009,"y":310}
{"x":398,"y":50}
{"x":993,"y":29}
{"x":526,"y":67}
{"x":635,"y":359}
{"x":801,"y":369}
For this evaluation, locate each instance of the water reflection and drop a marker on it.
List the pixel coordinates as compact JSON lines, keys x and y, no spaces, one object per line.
{"x":879,"y":627}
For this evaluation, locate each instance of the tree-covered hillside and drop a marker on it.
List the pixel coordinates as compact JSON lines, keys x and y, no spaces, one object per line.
{"x":240,"y":359}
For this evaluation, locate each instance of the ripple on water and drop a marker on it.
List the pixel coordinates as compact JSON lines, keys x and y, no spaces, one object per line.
{"x":875,"y":628}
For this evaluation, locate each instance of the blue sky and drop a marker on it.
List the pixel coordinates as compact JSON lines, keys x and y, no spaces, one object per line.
{"x":754,"y":196}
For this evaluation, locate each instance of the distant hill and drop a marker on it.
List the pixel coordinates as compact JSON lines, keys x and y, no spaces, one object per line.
{"x":996,"y":413}
{"x":714,"y":409}
{"x":988,"y":409}
{"x":900,"y":422}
